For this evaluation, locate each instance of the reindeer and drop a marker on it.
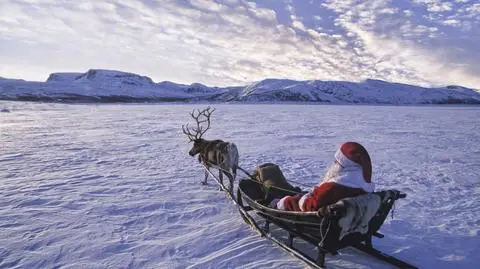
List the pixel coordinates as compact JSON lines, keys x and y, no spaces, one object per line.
{"x":217,"y":153}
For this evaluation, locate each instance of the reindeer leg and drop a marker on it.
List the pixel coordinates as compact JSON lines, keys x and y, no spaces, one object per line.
{"x":230,"y":179}
{"x":204,"y":182}
{"x":234,"y":172}
{"x":220,"y":177}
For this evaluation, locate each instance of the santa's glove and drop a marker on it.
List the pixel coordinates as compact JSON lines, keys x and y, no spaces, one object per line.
{"x":289,"y":203}
{"x":309,"y":205}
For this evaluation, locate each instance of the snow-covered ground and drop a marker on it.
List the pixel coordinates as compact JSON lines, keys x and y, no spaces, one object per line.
{"x":112,"y":186}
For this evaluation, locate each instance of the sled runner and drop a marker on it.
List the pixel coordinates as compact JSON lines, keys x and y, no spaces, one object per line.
{"x":324,"y":231}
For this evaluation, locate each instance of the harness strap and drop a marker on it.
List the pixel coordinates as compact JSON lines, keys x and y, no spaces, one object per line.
{"x":250,"y":177}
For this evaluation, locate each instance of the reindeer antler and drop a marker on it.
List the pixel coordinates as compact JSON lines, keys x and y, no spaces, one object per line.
{"x":187,"y":132}
{"x":199,"y":131}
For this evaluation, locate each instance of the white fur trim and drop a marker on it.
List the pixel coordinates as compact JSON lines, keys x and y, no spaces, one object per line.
{"x":344,"y":160}
{"x":281,"y":203}
{"x":302,"y":201}
{"x":348,"y":175}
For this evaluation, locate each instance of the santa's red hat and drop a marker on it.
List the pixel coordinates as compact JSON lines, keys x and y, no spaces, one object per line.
{"x":352,"y":152}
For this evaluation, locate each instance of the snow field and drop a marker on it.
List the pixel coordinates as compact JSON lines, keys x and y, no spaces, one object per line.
{"x":98,"y":186}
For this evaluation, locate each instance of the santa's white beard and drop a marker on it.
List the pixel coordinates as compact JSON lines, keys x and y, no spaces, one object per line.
{"x":349,"y":176}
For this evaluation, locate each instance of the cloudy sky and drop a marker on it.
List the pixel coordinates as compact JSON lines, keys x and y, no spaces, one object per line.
{"x":233,"y":42}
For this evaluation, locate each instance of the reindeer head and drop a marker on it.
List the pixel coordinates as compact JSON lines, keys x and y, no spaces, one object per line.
{"x":195,"y":135}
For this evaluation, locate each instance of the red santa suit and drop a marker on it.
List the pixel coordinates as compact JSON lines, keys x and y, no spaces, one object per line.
{"x":349,"y":176}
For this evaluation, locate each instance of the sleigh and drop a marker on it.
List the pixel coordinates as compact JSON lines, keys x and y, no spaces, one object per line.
{"x":319,"y":231}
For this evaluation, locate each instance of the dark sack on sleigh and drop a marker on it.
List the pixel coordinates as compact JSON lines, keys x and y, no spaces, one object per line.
{"x":274,"y":182}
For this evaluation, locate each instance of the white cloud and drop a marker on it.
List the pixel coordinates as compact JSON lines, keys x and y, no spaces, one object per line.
{"x":417,"y":64}
{"x":408,"y":12}
{"x":299,"y":25}
{"x":454,"y":23}
{"x":435,"y":5}
{"x":230,"y":42}
{"x":393,"y":53}
{"x":474,"y":9}
{"x":207,"y":5}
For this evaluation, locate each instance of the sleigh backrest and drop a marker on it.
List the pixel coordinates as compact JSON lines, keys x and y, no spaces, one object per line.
{"x":333,"y":242}
{"x":388,"y":199}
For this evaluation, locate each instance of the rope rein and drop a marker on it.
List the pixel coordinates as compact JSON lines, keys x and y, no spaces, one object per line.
{"x":393,"y":209}
{"x":252,"y":178}
{"x":324,"y":236}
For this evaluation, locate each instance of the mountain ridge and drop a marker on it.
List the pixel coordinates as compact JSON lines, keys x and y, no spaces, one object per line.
{"x":101,"y":85}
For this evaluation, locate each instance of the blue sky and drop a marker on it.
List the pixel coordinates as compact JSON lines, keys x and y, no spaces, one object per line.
{"x":233,"y":42}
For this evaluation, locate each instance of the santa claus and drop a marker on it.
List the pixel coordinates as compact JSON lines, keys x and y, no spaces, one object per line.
{"x":350,"y":175}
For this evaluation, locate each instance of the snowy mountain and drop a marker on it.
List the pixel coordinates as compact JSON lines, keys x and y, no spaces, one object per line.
{"x":98,"y":85}
{"x":367,"y":92}
{"x":63,"y":77}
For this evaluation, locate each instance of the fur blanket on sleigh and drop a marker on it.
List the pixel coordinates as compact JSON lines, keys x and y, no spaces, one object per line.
{"x":359,"y":211}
